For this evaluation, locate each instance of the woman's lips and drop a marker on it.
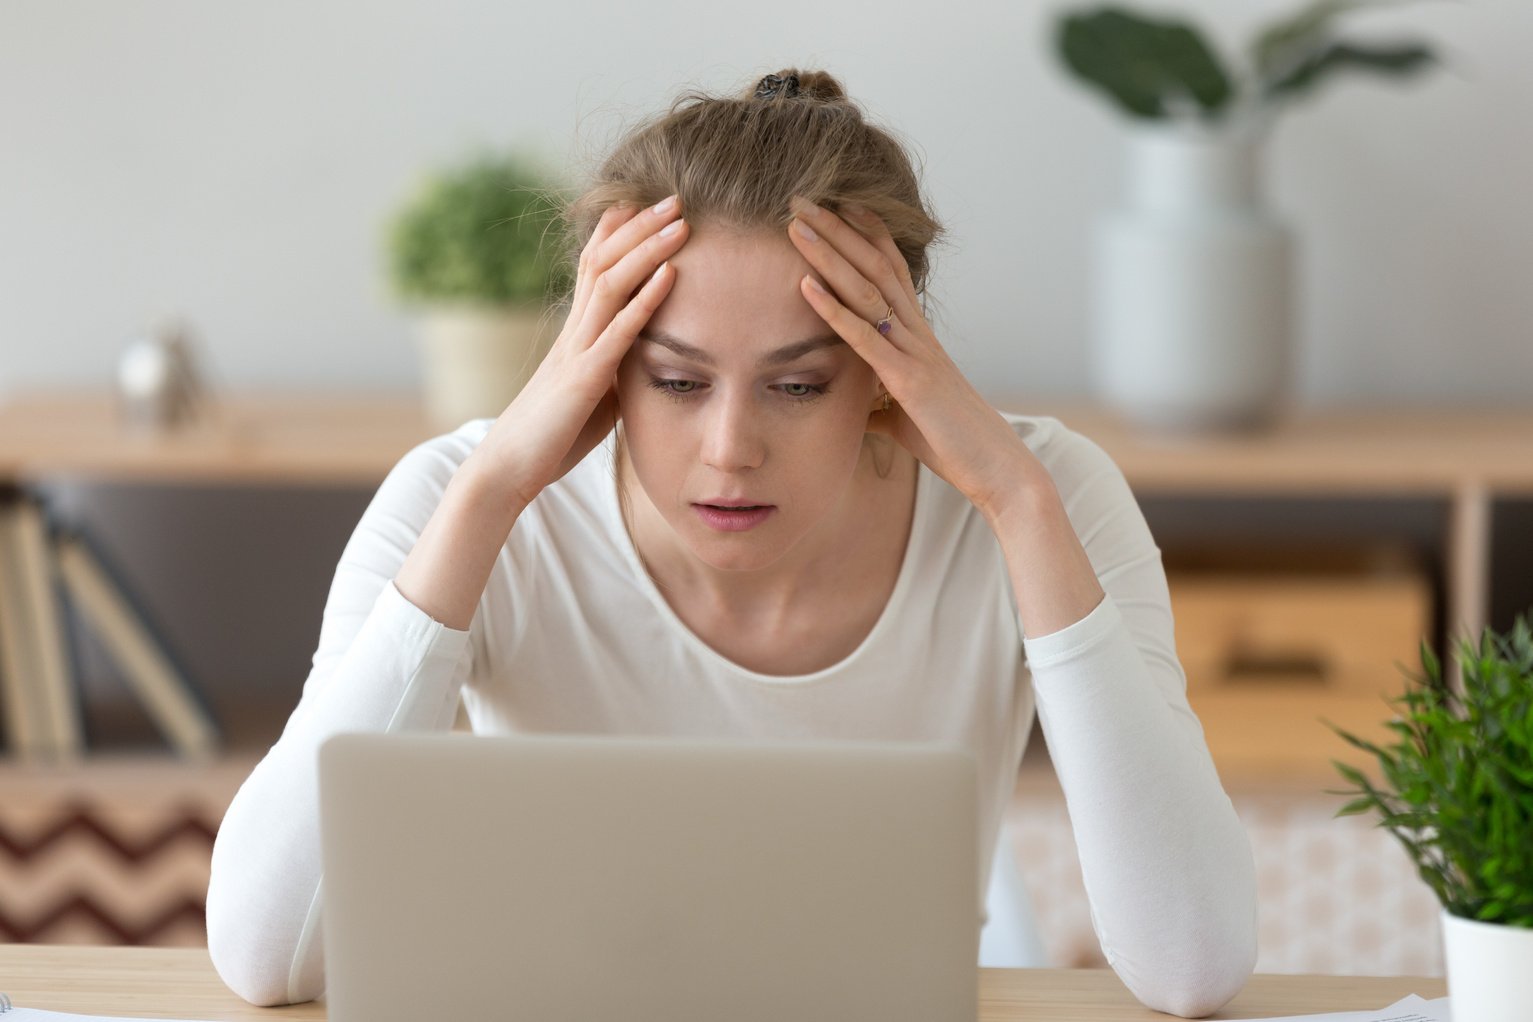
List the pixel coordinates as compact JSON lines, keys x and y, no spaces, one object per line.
{"x":733,"y":521}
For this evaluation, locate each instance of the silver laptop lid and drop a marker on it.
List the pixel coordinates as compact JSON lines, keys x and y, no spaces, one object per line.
{"x":644,"y":878}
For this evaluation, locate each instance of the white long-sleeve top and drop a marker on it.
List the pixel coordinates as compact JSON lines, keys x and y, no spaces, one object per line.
{"x":571,"y":635}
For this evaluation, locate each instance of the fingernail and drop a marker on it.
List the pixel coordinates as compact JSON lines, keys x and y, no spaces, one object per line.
{"x":671,"y":228}
{"x":854,"y":210}
{"x":665,"y":205}
{"x":805,"y":230}
{"x":816,"y":285}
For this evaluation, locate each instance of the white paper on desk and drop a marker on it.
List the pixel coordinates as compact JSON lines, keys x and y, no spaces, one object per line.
{"x":39,"y":1015}
{"x":1414,"y":1008}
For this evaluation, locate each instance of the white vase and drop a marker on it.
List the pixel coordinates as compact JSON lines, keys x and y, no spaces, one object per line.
{"x":1490,"y":970}
{"x":1193,"y":287}
{"x":476,"y":359}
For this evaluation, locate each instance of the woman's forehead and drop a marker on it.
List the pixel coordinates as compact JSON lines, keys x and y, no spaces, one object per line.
{"x":727,"y":256}
{"x":736,"y":296}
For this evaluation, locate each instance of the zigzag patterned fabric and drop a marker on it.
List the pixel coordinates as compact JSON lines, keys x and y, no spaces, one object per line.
{"x":113,"y":851}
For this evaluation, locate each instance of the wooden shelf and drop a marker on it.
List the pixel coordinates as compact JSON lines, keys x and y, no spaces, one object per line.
{"x":247,"y":438}
{"x":1391,"y":450}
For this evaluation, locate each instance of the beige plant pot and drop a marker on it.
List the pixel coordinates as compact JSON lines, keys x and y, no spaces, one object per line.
{"x":476,"y":359}
{"x":1490,"y":970}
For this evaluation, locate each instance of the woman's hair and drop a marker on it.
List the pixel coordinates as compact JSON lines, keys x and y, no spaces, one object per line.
{"x":734,"y":161}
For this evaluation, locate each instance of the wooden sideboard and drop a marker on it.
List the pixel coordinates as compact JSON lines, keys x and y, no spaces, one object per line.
{"x":1461,"y":459}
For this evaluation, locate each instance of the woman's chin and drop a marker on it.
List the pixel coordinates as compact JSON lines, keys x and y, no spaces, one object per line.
{"x":735,"y":553}
{"x":746,"y":550}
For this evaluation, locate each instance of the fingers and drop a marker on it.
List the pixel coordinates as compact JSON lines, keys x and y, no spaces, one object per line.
{"x":635,"y":229}
{"x":860,"y":272}
{"x":616,"y":339}
{"x":617,"y":289}
{"x":630,"y":226}
{"x":638,"y":245}
{"x":872,"y":228}
{"x":611,"y":220}
{"x":852,"y":327}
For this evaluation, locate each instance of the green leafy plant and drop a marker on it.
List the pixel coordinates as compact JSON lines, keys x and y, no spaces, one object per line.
{"x":1457,"y":787}
{"x":1162,"y":69}
{"x":483,"y":232}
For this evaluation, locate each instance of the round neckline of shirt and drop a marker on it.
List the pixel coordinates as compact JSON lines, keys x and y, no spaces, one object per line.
{"x":652,"y":592}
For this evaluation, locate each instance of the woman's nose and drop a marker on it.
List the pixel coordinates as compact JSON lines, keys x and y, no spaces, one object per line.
{"x":732,"y":436}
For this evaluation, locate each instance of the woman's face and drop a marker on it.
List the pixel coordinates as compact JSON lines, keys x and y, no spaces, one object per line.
{"x":723,"y":402}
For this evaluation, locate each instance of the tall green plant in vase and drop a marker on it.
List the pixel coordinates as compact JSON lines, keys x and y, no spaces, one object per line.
{"x":1456,"y":790}
{"x":1161,"y":69}
{"x":1194,"y":277}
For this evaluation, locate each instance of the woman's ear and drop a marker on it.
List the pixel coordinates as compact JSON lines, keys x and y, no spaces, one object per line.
{"x":879,"y":390}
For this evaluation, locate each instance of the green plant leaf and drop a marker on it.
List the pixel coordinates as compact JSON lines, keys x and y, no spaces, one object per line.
{"x":1325,"y":57}
{"x":1147,"y":67}
{"x":1275,"y":47}
{"x":485,"y":231}
{"x":1456,"y":789}
{"x":1357,"y":805}
{"x":1351,"y":773}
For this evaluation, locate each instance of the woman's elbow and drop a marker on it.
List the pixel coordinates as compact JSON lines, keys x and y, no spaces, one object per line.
{"x":1199,"y":997}
{"x":255,"y":972}
{"x":1208,"y":981}
{"x":252,"y":980}
{"x":248,"y":951}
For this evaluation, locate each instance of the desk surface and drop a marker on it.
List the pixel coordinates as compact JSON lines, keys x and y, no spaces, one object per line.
{"x":181,"y":983}
{"x":291,"y":437}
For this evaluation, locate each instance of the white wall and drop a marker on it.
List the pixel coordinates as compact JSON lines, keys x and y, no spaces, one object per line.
{"x":236,"y":162}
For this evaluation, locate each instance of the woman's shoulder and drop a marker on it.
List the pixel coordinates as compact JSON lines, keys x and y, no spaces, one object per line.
{"x":569,"y":513}
{"x":421,"y":474}
{"x":434,"y":461}
{"x":1070,"y":456}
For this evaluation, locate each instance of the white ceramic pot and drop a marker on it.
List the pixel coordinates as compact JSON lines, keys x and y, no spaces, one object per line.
{"x":1193,"y":287}
{"x":476,"y":359}
{"x":1490,"y":970}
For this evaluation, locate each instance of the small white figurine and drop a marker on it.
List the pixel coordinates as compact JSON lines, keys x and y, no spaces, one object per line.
{"x":158,"y":382}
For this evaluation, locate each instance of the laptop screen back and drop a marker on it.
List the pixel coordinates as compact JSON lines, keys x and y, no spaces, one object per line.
{"x":595,"y":877}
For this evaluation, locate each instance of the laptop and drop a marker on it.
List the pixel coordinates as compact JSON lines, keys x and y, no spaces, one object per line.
{"x":584,"y":877}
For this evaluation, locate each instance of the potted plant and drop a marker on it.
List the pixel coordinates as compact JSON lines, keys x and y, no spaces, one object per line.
{"x":480,"y":247}
{"x":1194,"y":276}
{"x":1456,"y":789}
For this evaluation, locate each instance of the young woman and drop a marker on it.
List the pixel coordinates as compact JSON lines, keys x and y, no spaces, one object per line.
{"x":808,"y":525}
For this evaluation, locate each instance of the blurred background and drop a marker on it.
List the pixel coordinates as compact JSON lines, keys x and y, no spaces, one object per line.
{"x":237,"y":166}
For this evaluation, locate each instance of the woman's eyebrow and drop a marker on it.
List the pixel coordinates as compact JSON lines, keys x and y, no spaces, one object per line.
{"x":782,"y":356}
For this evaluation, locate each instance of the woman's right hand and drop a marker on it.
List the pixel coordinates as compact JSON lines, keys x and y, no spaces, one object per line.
{"x":570,"y":403}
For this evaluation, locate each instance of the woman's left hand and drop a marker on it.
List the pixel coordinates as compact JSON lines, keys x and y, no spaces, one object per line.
{"x":938,"y":415}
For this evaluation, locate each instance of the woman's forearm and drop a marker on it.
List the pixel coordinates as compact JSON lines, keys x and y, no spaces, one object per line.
{"x":1051,"y":576}
{"x":450,"y":564}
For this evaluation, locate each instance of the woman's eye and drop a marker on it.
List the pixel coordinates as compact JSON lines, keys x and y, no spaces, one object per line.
{"x":669,"y":387}
{"x":798,"y":393}
{"x":803,"y":393}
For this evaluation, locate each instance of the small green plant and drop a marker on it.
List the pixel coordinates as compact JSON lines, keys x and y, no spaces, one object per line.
{"x":484,"y":232}
{"x":1162,"y":69}
{"x":1457,"y":788}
